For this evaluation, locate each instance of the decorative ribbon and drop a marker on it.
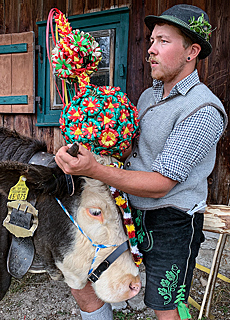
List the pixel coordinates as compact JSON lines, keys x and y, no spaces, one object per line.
{"x":122,"y":202}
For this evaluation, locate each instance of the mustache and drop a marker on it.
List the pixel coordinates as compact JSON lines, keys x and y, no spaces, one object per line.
{"x":151,"y":59}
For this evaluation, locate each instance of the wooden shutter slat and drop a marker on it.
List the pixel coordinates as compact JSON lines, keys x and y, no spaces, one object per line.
{"x":13,"y":48}
{"x":8,"y":100}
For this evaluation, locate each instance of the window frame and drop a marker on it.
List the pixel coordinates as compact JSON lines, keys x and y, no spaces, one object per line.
{"x":117,"y":19}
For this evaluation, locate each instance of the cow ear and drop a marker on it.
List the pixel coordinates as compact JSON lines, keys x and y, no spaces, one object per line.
{"x":10,"y":171}
{"x":38,"y":178}
{"x":95,"y":213}
{"x":49,"y":180}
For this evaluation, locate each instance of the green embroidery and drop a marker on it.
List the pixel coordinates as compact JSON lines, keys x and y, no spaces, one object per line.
{"x":139,"y":231}
{"x":182,"y":308}
{"x":169,"y":284}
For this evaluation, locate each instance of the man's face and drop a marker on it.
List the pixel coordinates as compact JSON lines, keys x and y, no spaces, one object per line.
{"x":167,"y":54}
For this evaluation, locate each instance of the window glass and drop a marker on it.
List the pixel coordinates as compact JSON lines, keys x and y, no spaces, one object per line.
{"x":104,"y":75}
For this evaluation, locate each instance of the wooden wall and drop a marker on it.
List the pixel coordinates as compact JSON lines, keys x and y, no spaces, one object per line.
{"x":22,"y":15}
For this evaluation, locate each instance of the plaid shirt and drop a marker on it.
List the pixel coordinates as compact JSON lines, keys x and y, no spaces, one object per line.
{"x":191,"y":140}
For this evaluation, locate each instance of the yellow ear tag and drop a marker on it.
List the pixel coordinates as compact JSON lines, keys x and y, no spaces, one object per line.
{"x":19,"y":191}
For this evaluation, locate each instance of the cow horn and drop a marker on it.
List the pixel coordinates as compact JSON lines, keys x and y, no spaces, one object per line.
{"x":73,"y":150}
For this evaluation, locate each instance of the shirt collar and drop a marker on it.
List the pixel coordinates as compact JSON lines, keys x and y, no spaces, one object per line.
{"x":181,"y":87}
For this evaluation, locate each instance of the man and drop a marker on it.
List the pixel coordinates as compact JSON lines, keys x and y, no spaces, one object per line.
{"x":181,"y":121}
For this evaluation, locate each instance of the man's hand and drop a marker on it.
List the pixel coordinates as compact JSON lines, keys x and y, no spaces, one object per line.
{"x":82,"y":165}
{"x":137,"y":183}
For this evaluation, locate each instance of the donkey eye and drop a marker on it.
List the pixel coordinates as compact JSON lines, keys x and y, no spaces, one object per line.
{"x":95,"y":212}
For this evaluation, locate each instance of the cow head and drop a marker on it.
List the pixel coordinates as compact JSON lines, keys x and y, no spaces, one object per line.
{"x":59,"y":243}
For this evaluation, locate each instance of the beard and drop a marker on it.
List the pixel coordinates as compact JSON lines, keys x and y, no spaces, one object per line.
{"x":167,"y":73}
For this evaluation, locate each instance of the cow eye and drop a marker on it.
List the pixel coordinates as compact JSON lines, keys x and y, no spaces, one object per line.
{"x":95,"y":212}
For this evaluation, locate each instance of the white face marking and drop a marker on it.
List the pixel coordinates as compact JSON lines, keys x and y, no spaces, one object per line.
{"x":97,"y":199}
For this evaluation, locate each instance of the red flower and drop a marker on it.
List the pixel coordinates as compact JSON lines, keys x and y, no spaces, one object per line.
{"x":76,"y":130}
{"x":104,"y":152}
{"x":127,"y":130}
{"x":91,"y":105}
{"x":123,"y":99}
{"x":76,"y":115}
{"x":108,"y":138}
{"x":107,"y":90}
{"x":106,"y":120}
{"x":110,"y":105}
{"x":124,"y":115}
{"x":131,"y":234}
{"x":62,"y":123}
{"x":90,"y":130}
{"x":124,"y":145}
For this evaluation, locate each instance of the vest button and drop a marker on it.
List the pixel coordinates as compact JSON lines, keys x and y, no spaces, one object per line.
{"x":128,"y":164}
{"x":134,"y":154}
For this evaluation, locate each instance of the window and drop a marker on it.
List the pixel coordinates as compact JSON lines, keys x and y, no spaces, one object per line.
{"x":110,"y":29}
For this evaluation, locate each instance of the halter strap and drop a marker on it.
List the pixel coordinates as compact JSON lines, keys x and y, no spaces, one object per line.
{"x":97,"y":246}
{"x":94,"y":276}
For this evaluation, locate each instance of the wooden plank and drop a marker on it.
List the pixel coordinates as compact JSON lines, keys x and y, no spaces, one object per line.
{"x":218,"y":81}
{"x":24,"y":124}
{"x":151,"y":8}
{"x":124,"y":3}
{"x":217,"y":219}
{"x":58,"y":140}
{"x":76,"y":7}
{"x":12,"y":16}
{"x":8,"y":122}
{"x":5,"y":71}
{"x":23,"y":72}
{"x":107,"y":4}
{"x":92,"y":6}
{"x":50,"y":4}
{"x":2,"y":17}
{"x":136,"y":52}
{"x":26,"y":16}
{"x":47,"y":135}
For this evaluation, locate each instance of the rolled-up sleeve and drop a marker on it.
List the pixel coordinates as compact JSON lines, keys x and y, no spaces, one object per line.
{"x":189,"y":143}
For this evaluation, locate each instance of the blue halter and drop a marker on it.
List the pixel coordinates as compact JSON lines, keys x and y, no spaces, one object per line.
{"x":97,"y":246}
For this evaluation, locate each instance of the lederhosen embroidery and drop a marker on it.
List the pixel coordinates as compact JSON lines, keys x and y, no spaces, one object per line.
{"x":169,"y":284}
{"x":144,"y":237}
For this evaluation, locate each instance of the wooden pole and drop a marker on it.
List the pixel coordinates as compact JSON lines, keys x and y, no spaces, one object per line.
{"x":210,"y":278}
{"x":222,"y":240}
{"x":216,"y":219}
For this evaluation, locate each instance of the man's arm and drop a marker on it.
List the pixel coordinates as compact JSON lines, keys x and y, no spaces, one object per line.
{"x":138,"y":183}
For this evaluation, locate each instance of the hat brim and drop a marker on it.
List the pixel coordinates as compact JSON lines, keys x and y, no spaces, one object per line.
{"x":206,"y":47}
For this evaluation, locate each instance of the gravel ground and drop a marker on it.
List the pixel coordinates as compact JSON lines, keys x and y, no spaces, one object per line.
{"x":37,"y":297}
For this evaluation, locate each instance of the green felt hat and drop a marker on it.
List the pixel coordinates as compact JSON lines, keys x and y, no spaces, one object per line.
{"x":191,"y":20}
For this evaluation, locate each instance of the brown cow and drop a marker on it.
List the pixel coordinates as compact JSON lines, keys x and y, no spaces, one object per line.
{"x":68,"y":232}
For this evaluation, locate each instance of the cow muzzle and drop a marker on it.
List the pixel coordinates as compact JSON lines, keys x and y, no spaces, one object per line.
{"x":119,"y":288}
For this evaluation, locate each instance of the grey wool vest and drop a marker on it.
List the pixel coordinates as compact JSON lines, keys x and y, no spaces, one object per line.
{"x":156,"y":123}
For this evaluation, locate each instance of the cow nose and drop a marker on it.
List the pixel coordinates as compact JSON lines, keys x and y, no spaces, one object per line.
{"x":135,"y":287}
